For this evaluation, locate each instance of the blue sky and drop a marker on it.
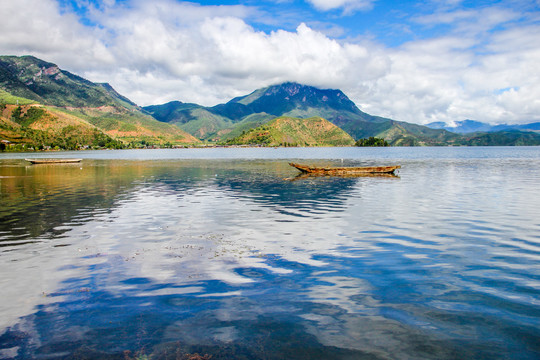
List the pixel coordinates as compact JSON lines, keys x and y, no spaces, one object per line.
{"x":389,"y":22}
{"x":417,"y":61}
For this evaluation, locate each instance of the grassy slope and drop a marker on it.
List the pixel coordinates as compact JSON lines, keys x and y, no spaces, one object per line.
{"x":206,"y":125}
{"x":8,"y":98}
{"x":296,"y":132}
{"x":249,"y":122}
{"x":353,"y":123}
{"x":129,"y":125}
{"x":37,"y":127}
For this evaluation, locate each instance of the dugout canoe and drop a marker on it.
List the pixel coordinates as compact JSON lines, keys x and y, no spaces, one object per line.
{"x":53,"y":161}
{"x":346,"y":170}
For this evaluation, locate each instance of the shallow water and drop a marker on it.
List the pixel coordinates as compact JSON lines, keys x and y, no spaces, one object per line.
{"x":167,"y":253}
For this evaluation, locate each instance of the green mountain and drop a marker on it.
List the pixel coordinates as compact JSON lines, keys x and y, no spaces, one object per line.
{"x":42,"y":105}
{"x":287,"y":131}
{"x":230,"y":119}
{"x":471,"y":126}
{"x":44,"y":82}
{"x":205,"y":123}
{"x":28,"y":80}
{"x":226,"y":121}
{"x":503,"y":138}
{"x":170,"y":110}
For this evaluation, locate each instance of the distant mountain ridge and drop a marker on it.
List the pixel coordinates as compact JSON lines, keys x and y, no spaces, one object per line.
{"x":471,"y":126}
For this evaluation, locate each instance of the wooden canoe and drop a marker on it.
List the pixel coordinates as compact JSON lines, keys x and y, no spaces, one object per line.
{"x":346,"y":170}
{"x":53,"y":161}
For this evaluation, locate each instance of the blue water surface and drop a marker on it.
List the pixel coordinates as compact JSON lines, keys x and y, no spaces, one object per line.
{"x":227,"y":254}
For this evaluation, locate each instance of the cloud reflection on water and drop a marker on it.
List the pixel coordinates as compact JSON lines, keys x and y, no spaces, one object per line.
{"x":219,"y":252}
{"x":157,"y":224}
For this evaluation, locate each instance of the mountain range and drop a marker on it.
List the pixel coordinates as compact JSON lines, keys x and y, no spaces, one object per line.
{"x":42,"y":105}
{"x":226,"y":121}
{"x":472,"y":126}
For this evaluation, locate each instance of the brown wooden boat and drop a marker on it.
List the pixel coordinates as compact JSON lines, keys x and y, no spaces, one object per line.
{"x":346,"y":170}
{"x":53,"y":161}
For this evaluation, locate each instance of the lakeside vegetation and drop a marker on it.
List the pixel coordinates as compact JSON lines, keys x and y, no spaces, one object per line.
{"x":372,"y":142}
{"x":29,"y":128}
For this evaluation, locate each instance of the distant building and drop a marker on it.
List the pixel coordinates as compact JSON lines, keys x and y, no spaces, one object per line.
{"x":4,"y":144}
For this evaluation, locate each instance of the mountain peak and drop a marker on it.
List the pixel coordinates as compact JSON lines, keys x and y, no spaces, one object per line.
{"x":289,"y":96}
{"x":292,"y":88}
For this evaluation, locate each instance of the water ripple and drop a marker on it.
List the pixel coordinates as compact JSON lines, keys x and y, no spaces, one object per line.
{"x":231,"y":258}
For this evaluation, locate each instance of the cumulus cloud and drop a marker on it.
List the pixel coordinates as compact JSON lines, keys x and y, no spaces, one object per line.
{"x":210,"y":55}
{"x":38,"y":28}
{"x":484,"y":67}
{"x":446,"y":79}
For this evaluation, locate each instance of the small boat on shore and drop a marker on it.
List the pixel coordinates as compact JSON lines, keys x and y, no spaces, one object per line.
{"x":346,"y":170}
{"x":53,"y":161}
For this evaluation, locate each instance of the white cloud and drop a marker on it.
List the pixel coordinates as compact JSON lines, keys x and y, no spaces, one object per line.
{"x":475,"y":73}
{"x":38,"y":28}
{"x":485,"y":67}
{"x":450,"y":79}
{"x":348,"y":6}
{"x":210,"y":57}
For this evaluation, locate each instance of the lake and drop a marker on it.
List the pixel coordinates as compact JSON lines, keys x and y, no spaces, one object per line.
{"x":226,"y":254}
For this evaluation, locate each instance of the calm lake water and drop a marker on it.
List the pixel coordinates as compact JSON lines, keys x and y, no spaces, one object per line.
{"x":163,"y":254}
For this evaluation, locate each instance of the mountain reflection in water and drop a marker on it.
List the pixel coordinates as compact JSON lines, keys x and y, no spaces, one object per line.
{"x":122,"y":259}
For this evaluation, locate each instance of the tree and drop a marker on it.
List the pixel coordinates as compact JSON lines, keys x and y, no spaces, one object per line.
{"x":372,"y":141}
